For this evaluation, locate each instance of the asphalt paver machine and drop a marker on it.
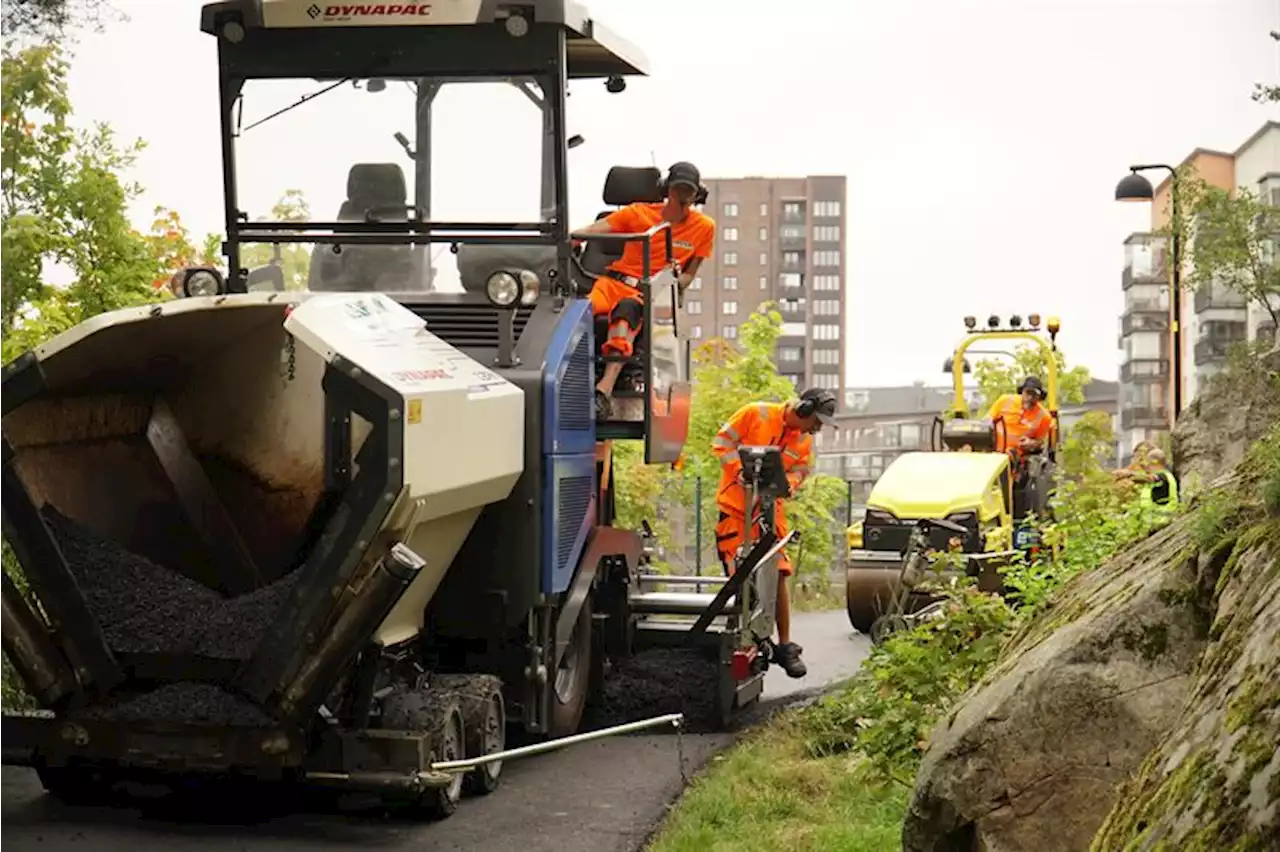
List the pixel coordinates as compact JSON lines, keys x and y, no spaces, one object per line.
{"x":351,"y":535}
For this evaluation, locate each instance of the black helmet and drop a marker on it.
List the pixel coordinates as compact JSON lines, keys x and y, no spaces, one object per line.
{"x":1032,"y":383}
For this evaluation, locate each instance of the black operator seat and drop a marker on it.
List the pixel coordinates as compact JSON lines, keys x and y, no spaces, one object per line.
{"x":375,"y":192}
{"x":622,"y":186}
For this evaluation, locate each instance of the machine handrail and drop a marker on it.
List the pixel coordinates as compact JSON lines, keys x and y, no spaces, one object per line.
{"x":362,"y":226}
{"x":645,"y":236}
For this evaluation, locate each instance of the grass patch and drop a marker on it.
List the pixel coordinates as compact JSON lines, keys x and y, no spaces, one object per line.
{"x":816,"y":598}
{"x":768,"y":794}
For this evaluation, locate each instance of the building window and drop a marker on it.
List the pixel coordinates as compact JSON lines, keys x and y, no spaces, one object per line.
{"x":790,"y":280}
{"x":730,"y":332}
{"x":826,"y":282}
{"x":826,"y":331}
{"x":729,"y":282}
{"x":791,"y":258}
{"x":791,"y":210}
{"x":695,"y":284}
{"x":789,"y":353}
{"x":764,"y":282}
{"x":764,"y":232}
{"x":693,"y":307}
{"x":731,"y":258}
{"x":730,"y":208}
{"x":829,"y":357}
{"x":827,"y":307}
{"x":826,"y":209}
{"x":830,"y":257}
{"x":764,"y":258}
{"x":764,"y":209}
{"x":826,"y":233}
{"x":695,"y":331}
{"x":830,"y":381}
{"x":729,"y":308}
{"x":792,"y":232}
{"x":731,"y":235}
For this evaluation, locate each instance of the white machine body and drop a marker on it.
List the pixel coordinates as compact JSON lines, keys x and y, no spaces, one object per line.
{"x":241,"y":375}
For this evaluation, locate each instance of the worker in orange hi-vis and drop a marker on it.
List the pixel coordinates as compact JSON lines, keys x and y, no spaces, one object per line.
{"x":616,"y":294}
{"x":788,"y":426}
{"x":1027,"y":423}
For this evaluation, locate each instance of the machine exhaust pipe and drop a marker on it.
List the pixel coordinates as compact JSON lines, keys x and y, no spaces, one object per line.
{"x":30,"y":648}
{"x":355,"y":623}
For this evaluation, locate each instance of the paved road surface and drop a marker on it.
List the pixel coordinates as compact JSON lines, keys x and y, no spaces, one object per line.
{"x":596,"y":797}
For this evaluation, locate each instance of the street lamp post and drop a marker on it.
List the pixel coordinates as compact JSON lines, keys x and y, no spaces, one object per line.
{"x":1134,"y":187}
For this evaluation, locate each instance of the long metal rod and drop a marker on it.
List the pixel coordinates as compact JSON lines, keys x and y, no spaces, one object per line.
{"x":683,"y":580}
{"x":674,"y":719}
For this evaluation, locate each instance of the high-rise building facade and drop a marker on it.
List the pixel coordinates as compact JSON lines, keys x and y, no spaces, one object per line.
{"x":1212,"y":318}
{"x":779,"y":240}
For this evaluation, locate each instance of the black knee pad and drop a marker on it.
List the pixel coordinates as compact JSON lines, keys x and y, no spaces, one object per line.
{"x":630,"y":311}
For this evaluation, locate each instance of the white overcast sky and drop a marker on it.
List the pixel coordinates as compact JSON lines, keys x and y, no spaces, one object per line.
{"x":982,"y":139}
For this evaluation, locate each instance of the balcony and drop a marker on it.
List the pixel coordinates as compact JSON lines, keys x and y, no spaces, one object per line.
{"x":1142,"y":370}
{"x":1131,"y":275}
{"x":1142,"y":320}
{"x":1138,"y":418}
{"x":1217,"y":297}
{"x":788,"y":241}
{"x":793,"y":212}
{"x":1210,"y":350}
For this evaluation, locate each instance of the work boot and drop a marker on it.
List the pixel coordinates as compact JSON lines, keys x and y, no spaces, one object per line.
{"x":788,"y":656}
{"x":604,"y":408}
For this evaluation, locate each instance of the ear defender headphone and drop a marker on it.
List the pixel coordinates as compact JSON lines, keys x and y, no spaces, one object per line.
{"x":812,"y":400}
{"x":1033,"y":383}
{"x":684,"y":173}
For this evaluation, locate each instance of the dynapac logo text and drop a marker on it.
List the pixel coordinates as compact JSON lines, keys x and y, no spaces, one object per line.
{"x":376,"y":11}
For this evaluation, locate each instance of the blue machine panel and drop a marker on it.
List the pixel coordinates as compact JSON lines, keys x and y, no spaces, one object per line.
{"x":568,"y":499}
{"x":568,"y":446}
{"x":568,"y":384}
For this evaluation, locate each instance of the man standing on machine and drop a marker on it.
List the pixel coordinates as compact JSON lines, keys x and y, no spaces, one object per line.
{"x":788,"y":426}
{"x":616,"y":294}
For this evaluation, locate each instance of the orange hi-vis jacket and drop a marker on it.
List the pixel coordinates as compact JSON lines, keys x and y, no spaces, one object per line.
{"x":1034,"y":422}
{"x":758,"y":424}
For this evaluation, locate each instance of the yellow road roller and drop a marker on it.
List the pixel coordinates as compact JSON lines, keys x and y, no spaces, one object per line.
{"x":964,"y":478}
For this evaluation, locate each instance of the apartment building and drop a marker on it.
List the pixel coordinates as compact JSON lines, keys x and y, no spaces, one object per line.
{"x":879,"y":424}
{"x":780,"y":240}
{"x":1212,"y":318}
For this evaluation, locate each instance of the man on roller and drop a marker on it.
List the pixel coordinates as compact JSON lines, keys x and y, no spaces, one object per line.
{"x":616,"y":293}
{"x":788,"y":426}
{"x":1027,"y":423}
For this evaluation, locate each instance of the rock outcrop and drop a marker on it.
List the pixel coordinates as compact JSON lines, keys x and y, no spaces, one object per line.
{"x":1142,"y":711}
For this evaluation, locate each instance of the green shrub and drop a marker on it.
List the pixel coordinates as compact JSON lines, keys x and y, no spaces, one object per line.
{"x":911,"y":681}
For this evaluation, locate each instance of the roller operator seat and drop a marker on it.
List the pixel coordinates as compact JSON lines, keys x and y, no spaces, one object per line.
{"x":375,"y":192}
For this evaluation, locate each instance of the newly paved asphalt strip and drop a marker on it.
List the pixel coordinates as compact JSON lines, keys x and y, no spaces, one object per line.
{"x":600,"y":796}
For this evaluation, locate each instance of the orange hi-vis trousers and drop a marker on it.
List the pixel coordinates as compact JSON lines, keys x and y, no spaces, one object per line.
{"x":624,"y":306}
{"x":731,"y":528}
